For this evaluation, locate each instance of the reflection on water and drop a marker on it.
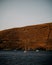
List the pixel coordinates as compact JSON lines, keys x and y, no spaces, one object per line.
{"x":28,"y":58}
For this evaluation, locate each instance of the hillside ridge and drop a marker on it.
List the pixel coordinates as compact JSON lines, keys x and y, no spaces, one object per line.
{"x":33,"y":37}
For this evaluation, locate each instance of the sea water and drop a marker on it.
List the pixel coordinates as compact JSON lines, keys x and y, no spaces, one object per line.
{"x":28,"y":58}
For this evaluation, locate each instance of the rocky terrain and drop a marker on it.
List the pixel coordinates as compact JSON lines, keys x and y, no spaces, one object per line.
{"x":29,"y":38}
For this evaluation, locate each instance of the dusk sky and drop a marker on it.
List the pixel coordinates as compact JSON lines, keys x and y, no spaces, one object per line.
{"x":19,"y":13}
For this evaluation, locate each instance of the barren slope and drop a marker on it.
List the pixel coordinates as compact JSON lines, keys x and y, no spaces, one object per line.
{"x":31,"y":37}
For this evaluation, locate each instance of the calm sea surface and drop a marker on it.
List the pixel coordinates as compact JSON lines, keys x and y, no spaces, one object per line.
{"x":28,"y":58}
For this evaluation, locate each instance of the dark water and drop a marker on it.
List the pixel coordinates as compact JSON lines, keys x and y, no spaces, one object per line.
{"x":28,"y":58}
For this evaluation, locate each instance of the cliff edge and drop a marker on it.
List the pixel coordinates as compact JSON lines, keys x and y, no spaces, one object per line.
{"x":31,"y":37}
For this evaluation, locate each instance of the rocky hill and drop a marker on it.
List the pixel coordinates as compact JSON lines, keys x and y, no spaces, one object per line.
{"x":29,"y":37}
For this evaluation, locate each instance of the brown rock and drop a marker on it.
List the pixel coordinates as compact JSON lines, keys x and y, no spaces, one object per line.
{"x":31,"y":37}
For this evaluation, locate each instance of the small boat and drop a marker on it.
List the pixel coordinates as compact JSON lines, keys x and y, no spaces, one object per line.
{"x":37,"y":50}
{"x":15,"y":50}
{"x":25,"y":51}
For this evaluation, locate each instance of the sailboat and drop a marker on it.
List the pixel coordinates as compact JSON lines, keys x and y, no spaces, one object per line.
{"x":25,"y":49}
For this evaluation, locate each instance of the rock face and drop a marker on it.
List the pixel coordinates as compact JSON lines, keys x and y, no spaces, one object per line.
{"x":29,"y":37}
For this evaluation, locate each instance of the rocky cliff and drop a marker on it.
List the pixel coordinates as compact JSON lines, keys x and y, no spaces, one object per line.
{"x":29,"y":37}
